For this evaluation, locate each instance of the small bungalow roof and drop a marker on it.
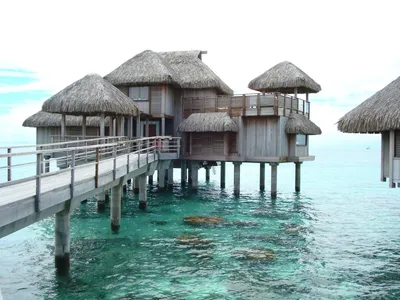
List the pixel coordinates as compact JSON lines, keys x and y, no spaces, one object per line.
{"x":91,"y":96}
{"x":45,"y":119}
{"x":208,"y":122}
{"x":300,"y":124}
{"x":284,"y":78}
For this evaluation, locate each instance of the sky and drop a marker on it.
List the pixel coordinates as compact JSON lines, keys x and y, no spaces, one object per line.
{"x":351,"y":48}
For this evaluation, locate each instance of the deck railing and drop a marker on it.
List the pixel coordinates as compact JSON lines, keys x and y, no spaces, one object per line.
{"x":247,"y":105}
{"x":38,"y":161}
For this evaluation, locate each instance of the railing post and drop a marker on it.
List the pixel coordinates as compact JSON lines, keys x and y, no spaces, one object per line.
{"x":127,"y":157}
{"x":309,"y":109}
{"x":230,"y":106}
{"x":258,"y":104}
{"x":72,"y":173}
{"x":9,"y":164}
{"x":244,"y":105}
{"x":114,"y":162}
{"x":276,"y":108}
{"x":291,"y":104}
{"x":304,"y":107}
{"x":96,"y":170}
{"x":38,"y":181}
{"x":179,"y":146}
{"x":284,"y":105}
{"x":86,"y":152}
{"x":147,"y":152}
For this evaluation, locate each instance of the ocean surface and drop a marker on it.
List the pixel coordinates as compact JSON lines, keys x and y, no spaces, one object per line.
{"x":339,"y":238}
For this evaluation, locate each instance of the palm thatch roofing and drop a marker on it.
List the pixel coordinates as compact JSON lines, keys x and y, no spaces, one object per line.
{"x":45,"y":119}
{"x":184,"y":69}
{"x":284,"y":78}
{"x":300,"y":124}
{"x":208,"y":122}
{"x":380,"y":112}
{"x":91,"y":96}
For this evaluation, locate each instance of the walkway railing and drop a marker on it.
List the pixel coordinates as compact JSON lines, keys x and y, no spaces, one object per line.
{"x":51,"y":159}
{"x":247,"y":105}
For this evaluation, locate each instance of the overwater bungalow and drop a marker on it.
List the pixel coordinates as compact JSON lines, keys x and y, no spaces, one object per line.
{"x":379,"y":115}
{"x":179,"y":95}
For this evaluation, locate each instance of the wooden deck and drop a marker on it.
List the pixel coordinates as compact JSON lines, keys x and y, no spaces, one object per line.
{"x":23,"y":202}
{"x":247,"y":105}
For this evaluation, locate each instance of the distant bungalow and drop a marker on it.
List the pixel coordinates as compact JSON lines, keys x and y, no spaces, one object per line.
{"x":177,"y":94}
{"x":380,"y":114}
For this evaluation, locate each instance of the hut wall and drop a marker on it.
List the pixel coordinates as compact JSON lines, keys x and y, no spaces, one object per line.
{"x":43,"y":134}
{"x":385,"y":155}
{"x":156,"y":100}
{"x":207,"y":143}
{"x":302,"y":151}
{"x":169,"y":101}
{"x":261,"y":137}
{"x":201,"y":93}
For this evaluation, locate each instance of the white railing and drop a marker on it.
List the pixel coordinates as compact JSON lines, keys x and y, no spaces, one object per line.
{"x":46,"y":159}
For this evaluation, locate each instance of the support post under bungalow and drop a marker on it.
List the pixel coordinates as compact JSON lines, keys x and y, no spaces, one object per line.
{"x":136,"y":188}
{"x":195,"y":173}
{"x":236,"y":178}
{"x":274,"y":179}
{"x":62,"y":242}
{"x":161,"y":179}
{"x":298,"y":176}
{"x":142,"y":191}
{"x":223,"y":172}
{"x":101,"y":202}
{"x":171,"y":176}
{"x":163,"y":126}
{"x":189,"y":166}
{"x":183,"y":171}
{"x":151,"y":179}
{"x":262,"y":176}
{"x":115,"y":207}
{"x":207,"y":173}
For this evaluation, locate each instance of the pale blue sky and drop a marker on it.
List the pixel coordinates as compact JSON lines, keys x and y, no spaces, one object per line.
{"x":350,"y":48}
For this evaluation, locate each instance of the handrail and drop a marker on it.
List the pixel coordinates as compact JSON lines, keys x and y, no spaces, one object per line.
{"x":77,"y":157}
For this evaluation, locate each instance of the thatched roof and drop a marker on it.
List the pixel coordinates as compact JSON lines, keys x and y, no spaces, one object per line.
{"x":208,"y":122}
{"x":181,"y":68}
{"x":300,"y":124}
{"x":91,"y":96}
{"x":283,"y":78}
{"x":145,"y":68}
{"x":45,"y":119}
{"x":193,"y":72}
{"x":380,"y":112}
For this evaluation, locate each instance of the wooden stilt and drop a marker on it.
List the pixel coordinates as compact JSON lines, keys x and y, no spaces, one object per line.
{"x":171,"y":176}
{"x":298,"y":176}
{"x":189,"y":165}
{"x":262,"y":176}
{"x":207,"y":173}
{"x":136,"y":187}
{"x":101,"y":202}
{"x":236,"y":178}
{"x":115,"y":207}
{"x":223,"y":171}
{"x":183,"y":171}
{"x":195,"y":169}
{"x":161,"y":179}
{"x":274,"y":179}
{"x":62,"y":242}
{"x":150,"y":179}
{"x":142,"y":192}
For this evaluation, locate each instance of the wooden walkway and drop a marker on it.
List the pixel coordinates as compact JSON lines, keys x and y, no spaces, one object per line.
{"x":29,"y":200}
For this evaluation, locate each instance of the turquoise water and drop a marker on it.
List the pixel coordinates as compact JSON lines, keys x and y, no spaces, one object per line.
{"x":337,"y":239}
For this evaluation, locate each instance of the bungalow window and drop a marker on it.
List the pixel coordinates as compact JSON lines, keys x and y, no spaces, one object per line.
{"x":301,"y":140}
{"x":140,"y":93}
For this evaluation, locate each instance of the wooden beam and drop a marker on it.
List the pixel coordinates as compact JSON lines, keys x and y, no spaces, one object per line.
{"x":83,"y":126}
{"x":391,"y":158}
